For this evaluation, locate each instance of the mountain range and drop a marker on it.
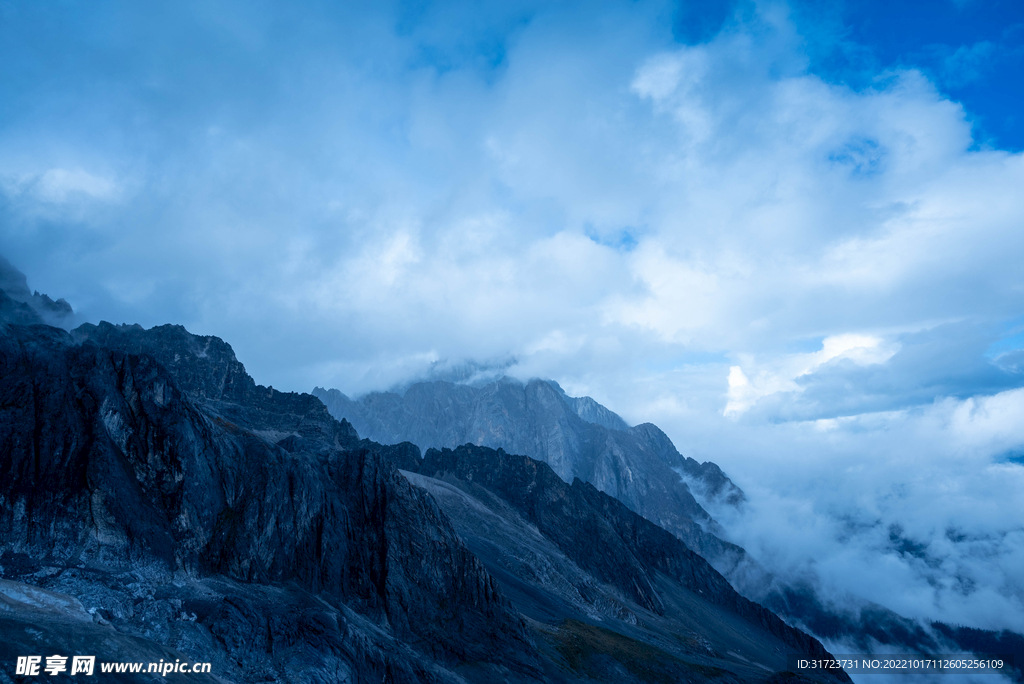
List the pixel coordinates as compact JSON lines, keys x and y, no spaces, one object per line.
{"x":157,"y":504}
{"x":577,"y":437}
{"x":641,"y":468}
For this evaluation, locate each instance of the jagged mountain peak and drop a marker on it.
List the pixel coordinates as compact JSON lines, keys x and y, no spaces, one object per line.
{"x":590,"y":410}
{"x":251,"y":509}
{"x":13,"y":281}
{"x":206,"y":368}
{"x":536,"y":416}
{"x":23,"y":306}
{"x":205,"y":365}
{"x":576,"y":437}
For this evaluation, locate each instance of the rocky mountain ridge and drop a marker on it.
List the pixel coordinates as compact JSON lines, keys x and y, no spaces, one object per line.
{"x":577,"y":437}
{"x":19,"y":303}
{"x":516,"y":417}
{"x":157,"y":503}
{"x":629,"y":550}
{"x":112,"y":468}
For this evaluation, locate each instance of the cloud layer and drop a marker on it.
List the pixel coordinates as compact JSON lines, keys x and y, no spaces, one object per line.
{"x":812,"y":283}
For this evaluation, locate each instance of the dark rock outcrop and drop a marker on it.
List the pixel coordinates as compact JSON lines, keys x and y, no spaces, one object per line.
{"x":17,"y":313}
{"x":109,"y":464}
{"x":602,"y":535}
{"x":205,"y":368}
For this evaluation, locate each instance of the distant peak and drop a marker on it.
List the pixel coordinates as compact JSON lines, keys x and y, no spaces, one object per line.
{"x":556,"y":386}
{"x":15,"y":285}
{"x":13,"y":281}
{"x":465,"y":372}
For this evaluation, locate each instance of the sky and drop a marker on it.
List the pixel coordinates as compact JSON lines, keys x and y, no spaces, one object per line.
{"x":789,"y":234}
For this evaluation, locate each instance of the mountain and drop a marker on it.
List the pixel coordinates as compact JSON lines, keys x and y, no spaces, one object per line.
{"x":34,"y":307}
{"x":156,"y":504}
{"x":577,"y":437}
{"x":597,"y":532}
{"x":149,"y":505}
{"x":641,"y":468}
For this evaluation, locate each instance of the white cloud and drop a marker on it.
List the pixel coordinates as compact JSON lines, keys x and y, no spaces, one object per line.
{"x":58,"y":185}
{"x":827,"y":496}
{"x":989,"y":423}
{"x":61,"y":186}
{"x":782,"y":373}
{"x":861,"y":349}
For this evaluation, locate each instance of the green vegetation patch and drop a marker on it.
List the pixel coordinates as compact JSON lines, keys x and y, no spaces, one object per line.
{"x":587,"y":648}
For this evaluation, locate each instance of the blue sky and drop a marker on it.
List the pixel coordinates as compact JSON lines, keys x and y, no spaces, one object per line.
{"x":790,"y":234}
{"x":972,"y":50}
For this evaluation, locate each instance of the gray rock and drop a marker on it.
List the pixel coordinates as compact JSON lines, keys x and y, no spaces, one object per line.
{"x":603,"y":538}
{"x":111,"y":467}
{"x":577,"y":437}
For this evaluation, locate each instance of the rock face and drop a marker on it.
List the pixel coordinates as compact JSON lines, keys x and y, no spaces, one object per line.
{"x":602,"y":581}
{"x":603,"y":536}
{"x":205,"y":368}
{"x":577,"y":437}
{"x":112,"y":466}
